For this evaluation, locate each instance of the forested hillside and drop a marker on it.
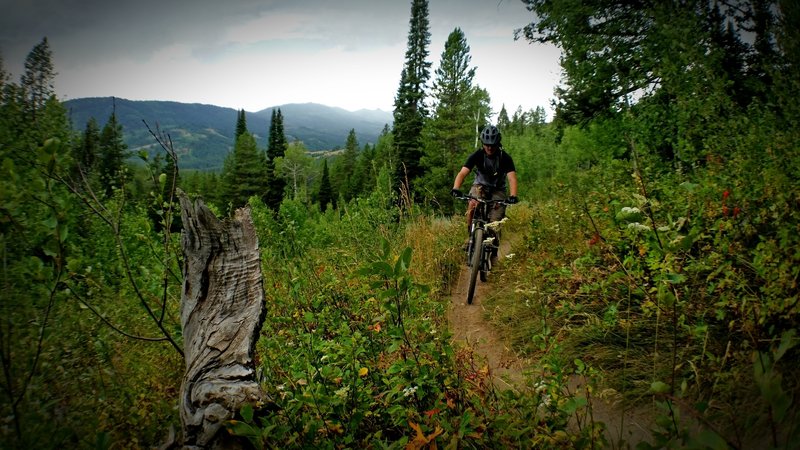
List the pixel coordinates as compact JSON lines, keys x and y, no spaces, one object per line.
{"x":203,"y":134}
{"x":657,"y":252}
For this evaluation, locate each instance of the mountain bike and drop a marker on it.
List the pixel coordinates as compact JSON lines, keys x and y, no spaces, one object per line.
{"x":484,"y":242}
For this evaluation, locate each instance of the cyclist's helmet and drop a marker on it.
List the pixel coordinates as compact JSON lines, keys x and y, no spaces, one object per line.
{"x":490,"y":135}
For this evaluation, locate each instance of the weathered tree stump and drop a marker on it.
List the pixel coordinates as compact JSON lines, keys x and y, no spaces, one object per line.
{"x":222,"y":311}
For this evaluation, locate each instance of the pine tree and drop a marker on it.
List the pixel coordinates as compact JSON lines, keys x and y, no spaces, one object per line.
{"x":518,"y":121}
{"x":385,"y":150}
{"x":37,"y":80}
{"x":276,"y":149}
{"x":4,"y":77}
{"x":241,"y":124}
{"x":325,"y":194}
{"x":365,"y":173}
{"x":277,"y":137}
{"x":451,"y":130}
{"x":503,"y":121}
{"x":113,"y":152}
{"x":244,"y":170}
{"x":7,"y":98}
{"x":410,"y":111}
{"x":348,"y":186}
{"x":86,"y":153}
{"x":243,"y":175}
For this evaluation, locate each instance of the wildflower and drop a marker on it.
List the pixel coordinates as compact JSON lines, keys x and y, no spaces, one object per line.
{"x":636,"y":226}
{"x":362,"y":372}
{"x":342,"y":392}
{"x":409,"y":391}
{"x":725,"y":195}
{"x":496,"y":224}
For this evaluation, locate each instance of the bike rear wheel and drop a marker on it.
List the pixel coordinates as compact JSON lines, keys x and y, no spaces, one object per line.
{"x":475,"y":263}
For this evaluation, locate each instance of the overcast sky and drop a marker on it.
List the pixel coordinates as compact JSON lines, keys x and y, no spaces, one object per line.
{"x":251,"y":54}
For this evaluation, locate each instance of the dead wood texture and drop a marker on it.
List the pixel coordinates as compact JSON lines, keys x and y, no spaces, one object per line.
{"x":222,"y":311}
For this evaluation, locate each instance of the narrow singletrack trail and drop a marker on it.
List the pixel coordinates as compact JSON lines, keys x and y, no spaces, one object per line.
{"x":469,"y":327}
{"x":508,"y":370}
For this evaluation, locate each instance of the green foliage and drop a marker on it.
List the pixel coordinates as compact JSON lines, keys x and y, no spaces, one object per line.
{"x":83,"y":275}
{"x":356,"y":351}
{"x":296,"y":168}
{"x":615,"y":52}
{"x":678,"y":279}
{"x":659,"y":257}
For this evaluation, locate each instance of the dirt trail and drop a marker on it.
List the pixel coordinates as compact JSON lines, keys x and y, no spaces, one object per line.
{"x":508,"y":370}
{"x":469,"y":327}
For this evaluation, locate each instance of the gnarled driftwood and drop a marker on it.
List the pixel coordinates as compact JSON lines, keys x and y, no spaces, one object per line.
{"x":222,"y":310}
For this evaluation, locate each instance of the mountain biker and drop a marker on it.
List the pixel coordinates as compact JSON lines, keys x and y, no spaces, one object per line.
{"x":493,"y":165}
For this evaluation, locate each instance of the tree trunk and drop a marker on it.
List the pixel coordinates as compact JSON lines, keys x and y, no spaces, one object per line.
{"x":222,"y":311}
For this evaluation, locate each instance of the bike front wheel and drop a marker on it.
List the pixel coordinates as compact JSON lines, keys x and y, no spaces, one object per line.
{"x":475,"y":263}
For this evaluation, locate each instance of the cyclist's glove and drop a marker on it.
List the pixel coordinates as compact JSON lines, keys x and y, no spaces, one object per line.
{"x":456,"y":193}
{"x":511,"y":200}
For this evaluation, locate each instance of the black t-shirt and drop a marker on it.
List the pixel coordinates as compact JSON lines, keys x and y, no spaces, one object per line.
{"x":490,"y":171}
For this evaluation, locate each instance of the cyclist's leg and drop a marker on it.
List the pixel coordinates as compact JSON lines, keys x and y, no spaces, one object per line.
{"x":470,"y":212}
{"x":497,"y":213}
{"x":474,"y":191}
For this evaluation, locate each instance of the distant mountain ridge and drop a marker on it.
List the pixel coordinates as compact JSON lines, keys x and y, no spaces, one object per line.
{"x":203,"y":135}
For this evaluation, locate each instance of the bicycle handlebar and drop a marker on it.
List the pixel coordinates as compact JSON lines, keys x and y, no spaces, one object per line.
{"x":468,"y":197}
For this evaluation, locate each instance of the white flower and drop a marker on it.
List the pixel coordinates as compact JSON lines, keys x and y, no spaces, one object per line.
{"x":630,"y":210}
{"x":541,"y":387}
{"x":409,"y":391}
{"x":496,"y":224}
{"x":636,"y":226}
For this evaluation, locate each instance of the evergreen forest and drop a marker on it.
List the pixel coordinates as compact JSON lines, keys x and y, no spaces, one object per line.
{"x":656,"y":251}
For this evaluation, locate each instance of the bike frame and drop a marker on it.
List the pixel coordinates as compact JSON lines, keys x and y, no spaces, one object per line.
{"x":482,"y":243}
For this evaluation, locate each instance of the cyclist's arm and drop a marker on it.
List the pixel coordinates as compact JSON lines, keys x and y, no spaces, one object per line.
{"x":460,"y":177}
{"x":512,"y":183}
